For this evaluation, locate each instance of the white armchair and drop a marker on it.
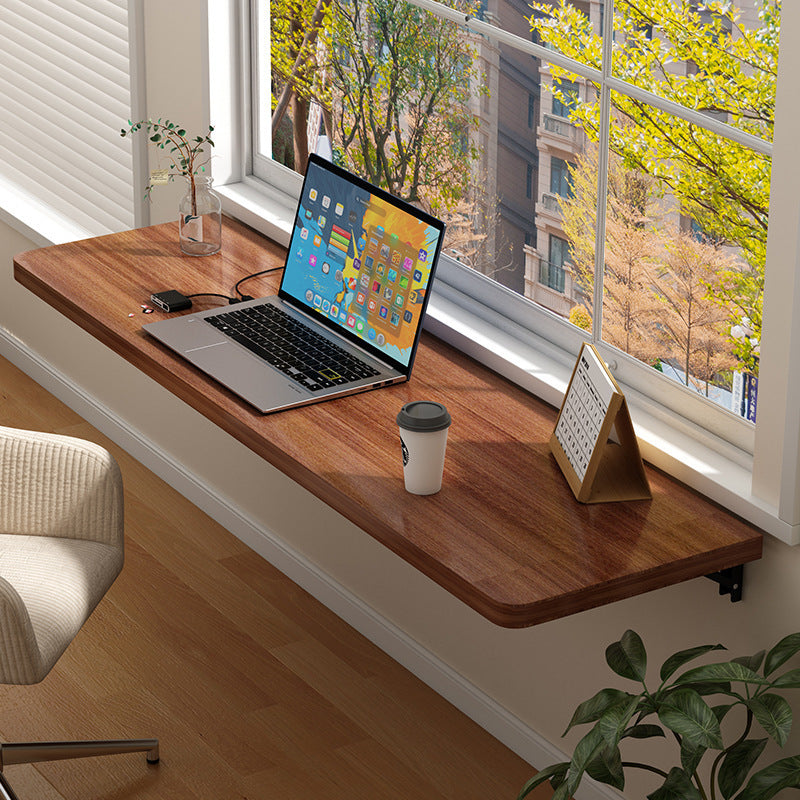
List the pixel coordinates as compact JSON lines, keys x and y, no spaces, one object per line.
{"x":61,"y":548}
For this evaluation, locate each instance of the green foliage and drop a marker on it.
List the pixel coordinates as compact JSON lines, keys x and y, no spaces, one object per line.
{"x":580,"y":317}
{"x":184,"y":153}
{"x":403,"y":80}
{"x":688,"y":707}
{"x":732,"y":75}
{"x":394,"y":84}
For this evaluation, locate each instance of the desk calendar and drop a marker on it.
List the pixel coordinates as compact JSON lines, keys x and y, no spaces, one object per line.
{"x":593,"y":441}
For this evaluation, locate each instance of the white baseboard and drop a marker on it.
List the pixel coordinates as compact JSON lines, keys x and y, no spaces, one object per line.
{"x":465,"y":696}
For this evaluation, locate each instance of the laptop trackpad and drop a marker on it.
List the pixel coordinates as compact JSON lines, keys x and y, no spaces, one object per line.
{"x":246,"y":375}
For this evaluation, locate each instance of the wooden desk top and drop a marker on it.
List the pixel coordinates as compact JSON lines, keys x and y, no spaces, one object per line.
{"x":505,"y":534}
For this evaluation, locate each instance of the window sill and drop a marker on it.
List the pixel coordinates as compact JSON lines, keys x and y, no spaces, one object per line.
{"x":36,"y":222}
{"x":685,"y":451}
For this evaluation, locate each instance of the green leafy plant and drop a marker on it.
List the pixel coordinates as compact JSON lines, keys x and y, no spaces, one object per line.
{"x":187,"y":156}
{"x":690,"y":707}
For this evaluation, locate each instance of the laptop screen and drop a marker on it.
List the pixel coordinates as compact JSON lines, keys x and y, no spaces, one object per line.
{"x":362,"y":260}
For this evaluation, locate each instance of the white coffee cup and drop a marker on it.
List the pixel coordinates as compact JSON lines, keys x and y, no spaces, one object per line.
{"x":423,"y":435}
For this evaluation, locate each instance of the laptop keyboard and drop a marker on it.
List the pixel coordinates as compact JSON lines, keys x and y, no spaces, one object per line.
{"x":299,"y":352}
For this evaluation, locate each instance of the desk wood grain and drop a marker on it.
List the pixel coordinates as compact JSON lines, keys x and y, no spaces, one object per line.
{"x":505,"y":534}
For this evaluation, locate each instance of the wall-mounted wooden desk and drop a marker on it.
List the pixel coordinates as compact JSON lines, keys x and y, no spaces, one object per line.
{"x":505,"y":534}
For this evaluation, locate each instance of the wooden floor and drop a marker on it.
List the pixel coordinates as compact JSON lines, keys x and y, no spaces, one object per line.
{"x":255,"y":689}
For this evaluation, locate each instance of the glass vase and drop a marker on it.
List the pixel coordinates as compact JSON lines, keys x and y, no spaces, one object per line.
{"x":200,"y":220}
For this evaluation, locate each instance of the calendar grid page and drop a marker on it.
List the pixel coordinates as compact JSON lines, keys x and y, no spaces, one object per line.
{"x":584,"y":411}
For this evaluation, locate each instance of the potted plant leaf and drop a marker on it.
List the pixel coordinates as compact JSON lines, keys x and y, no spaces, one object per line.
{"x":200,"y":209}
{"x":692,"y":706}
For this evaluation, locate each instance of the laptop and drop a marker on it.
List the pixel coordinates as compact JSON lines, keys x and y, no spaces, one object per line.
{"x":348,"y":314}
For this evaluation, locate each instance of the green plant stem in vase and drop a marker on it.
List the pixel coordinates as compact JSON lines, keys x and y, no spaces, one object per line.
{"x":200,"y":220}
{"x":689,"y":708}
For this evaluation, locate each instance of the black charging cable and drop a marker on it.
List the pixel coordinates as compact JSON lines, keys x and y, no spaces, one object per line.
{"x":236,"y":290}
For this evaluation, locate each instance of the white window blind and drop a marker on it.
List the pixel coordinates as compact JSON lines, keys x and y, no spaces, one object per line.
{"x":64,"y":96}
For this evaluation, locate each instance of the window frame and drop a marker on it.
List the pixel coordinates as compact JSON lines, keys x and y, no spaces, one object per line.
{"x":751,"y":470}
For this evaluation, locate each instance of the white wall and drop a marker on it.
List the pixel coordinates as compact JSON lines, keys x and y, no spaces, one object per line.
{"x":538,"y":674}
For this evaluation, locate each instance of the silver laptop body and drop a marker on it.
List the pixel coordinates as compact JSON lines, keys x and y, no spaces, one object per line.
{"x":358,"y":270}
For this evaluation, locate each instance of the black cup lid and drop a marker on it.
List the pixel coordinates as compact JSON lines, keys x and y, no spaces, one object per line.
{"x":423,"y":415}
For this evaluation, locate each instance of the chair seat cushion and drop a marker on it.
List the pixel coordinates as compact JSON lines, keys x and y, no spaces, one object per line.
{"x":59,"y":582}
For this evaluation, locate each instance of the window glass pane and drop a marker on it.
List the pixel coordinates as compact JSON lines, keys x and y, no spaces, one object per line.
{"x":509,"y":150}
{"x":687,"y":208}
{"x":441,"y":117}
{"x":571,"y":27}
{"x":685,"y":241}
{"x":719,"y":58}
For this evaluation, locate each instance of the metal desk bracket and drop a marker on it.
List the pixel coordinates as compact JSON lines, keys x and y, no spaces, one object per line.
{"x":730,"y":581}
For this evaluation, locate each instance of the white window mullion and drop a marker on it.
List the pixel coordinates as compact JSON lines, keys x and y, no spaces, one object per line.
{"x":602,"y":176}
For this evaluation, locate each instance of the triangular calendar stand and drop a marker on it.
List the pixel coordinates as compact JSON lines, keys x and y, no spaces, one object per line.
{"x":594,"y":442}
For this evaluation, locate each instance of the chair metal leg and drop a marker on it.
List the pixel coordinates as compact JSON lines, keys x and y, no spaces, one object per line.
{"x":29,"y":752}
{"x":6,"y":792}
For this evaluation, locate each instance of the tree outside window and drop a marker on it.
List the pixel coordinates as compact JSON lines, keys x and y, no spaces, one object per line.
{"x":717,"y":59}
